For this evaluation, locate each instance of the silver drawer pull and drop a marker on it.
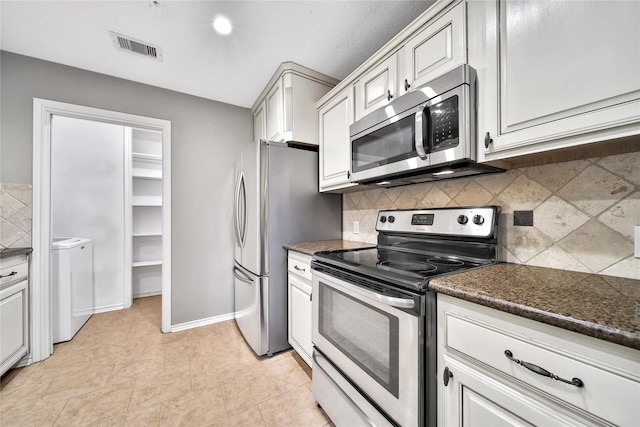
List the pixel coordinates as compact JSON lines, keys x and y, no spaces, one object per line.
{"x":299,"y":269}
{"x":13,"y":273}
{"x":541,"y":371}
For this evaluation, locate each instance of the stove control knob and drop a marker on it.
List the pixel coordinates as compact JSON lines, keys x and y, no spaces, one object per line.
{"x":462,"y":219}
{"x":383,"y":219}
{"x":478,"y":219}
{"x":392,"y":219}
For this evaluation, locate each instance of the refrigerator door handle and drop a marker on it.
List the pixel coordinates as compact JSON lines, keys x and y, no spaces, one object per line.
{"x":241,"y":233}
{"x":241,"y":276}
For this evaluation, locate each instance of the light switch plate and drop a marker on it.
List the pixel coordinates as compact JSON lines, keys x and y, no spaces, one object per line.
{"x":636,"y":242}
{"x":356,"y":227}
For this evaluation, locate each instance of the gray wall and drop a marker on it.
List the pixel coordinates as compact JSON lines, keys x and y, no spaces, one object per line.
{"x":206,"y":137}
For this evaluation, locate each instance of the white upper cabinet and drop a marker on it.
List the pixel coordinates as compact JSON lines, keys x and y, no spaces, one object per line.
{"x":260,"y":122}
{"x":438,"y":48}
{"x":377,"y":87}
{"x":335,"y":117}
{"x":285,"y":111}
{"x":554,"y":74}
{"x":275,"y":124}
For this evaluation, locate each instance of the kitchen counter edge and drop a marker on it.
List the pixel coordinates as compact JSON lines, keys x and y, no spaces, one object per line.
{"x":602,"y":307}
{"x":9,"y":252}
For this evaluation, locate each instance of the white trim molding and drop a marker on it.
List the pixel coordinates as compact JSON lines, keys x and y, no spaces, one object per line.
{"x":202,"y":322}
{"x":43,"y":110}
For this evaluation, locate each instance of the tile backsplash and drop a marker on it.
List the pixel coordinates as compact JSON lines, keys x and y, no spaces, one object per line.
{"x":584,"y":211}
{"x":15,"y":215}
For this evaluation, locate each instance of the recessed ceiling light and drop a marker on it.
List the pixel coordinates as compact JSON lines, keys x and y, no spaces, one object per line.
{"x":222,"y":25}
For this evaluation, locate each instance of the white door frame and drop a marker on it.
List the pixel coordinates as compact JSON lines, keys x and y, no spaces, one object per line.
{"x":43,"y":110}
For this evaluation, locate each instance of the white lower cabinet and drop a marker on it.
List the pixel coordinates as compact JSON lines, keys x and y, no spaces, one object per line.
{"x":490,"y":367}
{"x":299,"y":277}
{"x":14,"y":311}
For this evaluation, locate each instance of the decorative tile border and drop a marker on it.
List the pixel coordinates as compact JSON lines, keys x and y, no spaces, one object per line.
{"x":15,"y":215}
{"x":584,"y":211}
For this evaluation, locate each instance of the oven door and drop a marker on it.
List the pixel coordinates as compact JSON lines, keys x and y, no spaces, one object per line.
{"x":375,"y":340}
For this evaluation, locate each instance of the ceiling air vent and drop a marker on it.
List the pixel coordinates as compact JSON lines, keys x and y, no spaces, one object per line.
{"x":136,"y":46}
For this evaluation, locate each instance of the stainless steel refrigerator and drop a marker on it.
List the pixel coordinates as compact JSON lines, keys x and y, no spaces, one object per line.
{"x":276,"y":202}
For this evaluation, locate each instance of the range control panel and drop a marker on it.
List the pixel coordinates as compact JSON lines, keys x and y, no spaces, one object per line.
{"x":459,"y":221}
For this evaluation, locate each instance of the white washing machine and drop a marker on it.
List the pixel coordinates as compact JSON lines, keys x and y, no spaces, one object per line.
{"x":72,"y":285}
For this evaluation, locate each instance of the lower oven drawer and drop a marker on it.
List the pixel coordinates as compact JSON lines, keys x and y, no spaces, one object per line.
{"x":340,"y":400}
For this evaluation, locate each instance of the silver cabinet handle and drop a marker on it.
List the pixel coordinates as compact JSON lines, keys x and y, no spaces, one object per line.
{"x":299,"y":269}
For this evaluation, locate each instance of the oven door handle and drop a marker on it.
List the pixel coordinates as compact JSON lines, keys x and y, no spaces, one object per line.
{"x":384,"y":299}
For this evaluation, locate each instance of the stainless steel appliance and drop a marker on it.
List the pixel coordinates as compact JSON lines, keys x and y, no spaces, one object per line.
{"x":276,"y":201}
{"x":424,"y":135}
{"x":374,"y":324}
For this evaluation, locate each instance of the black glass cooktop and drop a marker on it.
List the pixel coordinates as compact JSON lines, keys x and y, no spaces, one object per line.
{"x":401,"y":268}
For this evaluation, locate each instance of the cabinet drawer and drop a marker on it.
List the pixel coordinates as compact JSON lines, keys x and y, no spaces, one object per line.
{"x":300,"y":265}
{"x":14,"y":272}
{"x":606,"y":393}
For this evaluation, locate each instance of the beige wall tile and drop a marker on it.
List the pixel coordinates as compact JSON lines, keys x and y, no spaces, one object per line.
{"x":623,"y":216}
{"x":626,"y":166}
{"x":595,"y":190}
{"x":557,"y":218}
{"x":597,"y":246}
{"x":564,"y":197}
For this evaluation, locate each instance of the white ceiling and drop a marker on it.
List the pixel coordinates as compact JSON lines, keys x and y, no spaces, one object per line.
{"x":332,"y":37}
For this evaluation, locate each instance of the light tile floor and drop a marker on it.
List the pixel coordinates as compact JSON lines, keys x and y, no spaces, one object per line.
{"x":120,"y":370}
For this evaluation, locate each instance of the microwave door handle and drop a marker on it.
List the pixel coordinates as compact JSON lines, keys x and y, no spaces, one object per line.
{"x":419,"y":134}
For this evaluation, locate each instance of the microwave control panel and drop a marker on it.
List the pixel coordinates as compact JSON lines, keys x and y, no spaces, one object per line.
{"x":444,"y":124}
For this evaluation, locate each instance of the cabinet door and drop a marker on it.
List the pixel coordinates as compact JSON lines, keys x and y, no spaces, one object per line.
{"x":260,"y":123}
{"x":335,"y":117}
{"x":377,"y":87}
{"x":14,"y":324}
{"x":559,"y":74}
{"x":300,"y":317}
{"x":439,"y":48}
{"x":274,"y":119}
{"x":472,"y":398}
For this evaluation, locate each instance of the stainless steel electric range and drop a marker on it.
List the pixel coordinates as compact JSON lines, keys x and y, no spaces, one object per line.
{"x":374,"y":319}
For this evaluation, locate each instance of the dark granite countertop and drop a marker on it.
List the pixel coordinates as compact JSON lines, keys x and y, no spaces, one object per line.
{"x":603,"y":307}
{"x":9,"y":252}
{"x":310,"y":248}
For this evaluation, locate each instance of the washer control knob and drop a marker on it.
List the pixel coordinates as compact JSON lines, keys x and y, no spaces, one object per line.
{"x":478,"y":219}
{"x":392,"y":219}
{"x":462,"y":219}
{"x":383,"y":219}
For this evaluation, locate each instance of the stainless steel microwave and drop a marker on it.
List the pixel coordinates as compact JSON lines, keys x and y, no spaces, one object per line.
{"x":425,"y":135}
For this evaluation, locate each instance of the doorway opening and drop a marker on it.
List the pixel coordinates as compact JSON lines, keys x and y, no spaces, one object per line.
{"x":146,"y":147}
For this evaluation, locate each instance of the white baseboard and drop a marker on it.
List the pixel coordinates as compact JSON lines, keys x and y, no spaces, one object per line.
{"x":202,"y":322}
{"x":105,"y":308}
{"x":147,"y":294}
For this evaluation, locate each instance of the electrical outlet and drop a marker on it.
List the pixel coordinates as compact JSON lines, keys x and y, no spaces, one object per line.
{"x":523,"y":218}
{"x":636,"y":242}
{"x":356,"y":227}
